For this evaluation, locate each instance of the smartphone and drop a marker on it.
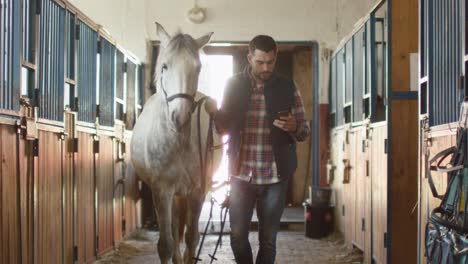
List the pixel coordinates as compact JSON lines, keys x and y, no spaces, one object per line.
{"x":283,"y":113}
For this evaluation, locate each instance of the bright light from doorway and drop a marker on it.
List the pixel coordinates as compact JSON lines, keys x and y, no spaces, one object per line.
{"x":216,"y":70}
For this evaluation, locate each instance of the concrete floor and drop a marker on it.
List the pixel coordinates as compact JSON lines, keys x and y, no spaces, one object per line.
{"x":292,"y":247}
{"x":292,"y":216}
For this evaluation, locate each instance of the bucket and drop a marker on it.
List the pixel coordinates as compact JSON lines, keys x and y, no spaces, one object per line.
{"x":319,"y":220}
{"x":321,"y":195}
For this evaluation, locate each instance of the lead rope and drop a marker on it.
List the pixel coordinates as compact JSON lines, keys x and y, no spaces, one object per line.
{"x":221,"y":233}
{"x":203,"y":168}
{"x":197,"y":258}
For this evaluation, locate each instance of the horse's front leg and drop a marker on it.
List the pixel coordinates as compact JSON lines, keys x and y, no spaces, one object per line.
{"x":192,"y":235}
{"x":163,"y":204}
{"x":177,"y":227}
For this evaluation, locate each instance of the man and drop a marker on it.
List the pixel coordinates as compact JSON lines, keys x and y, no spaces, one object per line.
{"x":264,"y":116}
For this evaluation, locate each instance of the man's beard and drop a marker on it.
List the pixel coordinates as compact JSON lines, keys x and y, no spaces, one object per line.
{"x":264,"y":76}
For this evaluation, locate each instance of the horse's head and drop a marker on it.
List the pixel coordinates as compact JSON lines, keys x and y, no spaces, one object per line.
{"x":177,"y":73}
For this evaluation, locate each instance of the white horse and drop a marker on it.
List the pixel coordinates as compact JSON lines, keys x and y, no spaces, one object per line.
{"x":165,"y":148}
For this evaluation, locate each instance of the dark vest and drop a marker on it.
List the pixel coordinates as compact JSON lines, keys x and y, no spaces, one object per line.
{"x":279,"y":96}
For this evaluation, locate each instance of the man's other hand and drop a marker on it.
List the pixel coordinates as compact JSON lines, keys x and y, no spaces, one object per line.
{"x":211,"y":106}
{"x":286,"y":123}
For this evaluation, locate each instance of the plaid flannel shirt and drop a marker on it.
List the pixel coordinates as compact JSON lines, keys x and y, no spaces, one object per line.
{"x":257,"y":163}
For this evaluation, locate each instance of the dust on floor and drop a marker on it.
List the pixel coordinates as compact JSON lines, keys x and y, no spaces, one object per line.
{"x":292,"y":247}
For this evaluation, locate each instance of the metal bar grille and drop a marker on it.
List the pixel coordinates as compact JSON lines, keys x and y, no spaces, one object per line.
{"x":141,"y":85}
{"x":131,"y":78}
{"x":333,"y":86}
{"x":119,"y":88}
{"x":443,"y":45}
{"x":140,"y":89}
{"x":349,"y":78}
{"x":51,"y":61}
{"x":354,"y":94}
{"x":10,"y":15}
{"x":424,"y":33}
{"x":27,"y":30}
{"x":86,"y":85}
{"x":359,"y":74}
{"x":71,"y":27}
{"x":107,"y":83}
{"x":340,"y":83}
{"x":349,"y":72}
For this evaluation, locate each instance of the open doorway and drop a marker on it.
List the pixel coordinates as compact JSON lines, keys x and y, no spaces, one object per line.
{"x":216,"y":70}
{"x":295,"y":61}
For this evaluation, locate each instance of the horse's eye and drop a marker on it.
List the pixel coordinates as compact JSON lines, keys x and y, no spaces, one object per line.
{"x":164,"y":67}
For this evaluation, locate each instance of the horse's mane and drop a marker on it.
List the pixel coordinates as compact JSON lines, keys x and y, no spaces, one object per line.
{"x":182,"y":42}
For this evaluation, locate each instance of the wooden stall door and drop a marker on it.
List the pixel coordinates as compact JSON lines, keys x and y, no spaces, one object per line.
{"x":119,"y":194}
{"x":126,"y":193}
{"x":105,"y":187}
{"x":9,"y":205}
{"x":68,"y":187}
{"x":428,"y":202}
{"x":367,"y":156}
{"x":336,"y":177}
{"x":131,"y":195}
{"x":360,"y":186}
{"x":48,"y":222}
{"x":85,"y":189}
{"x":26,"y":165}
{"x":349,"y":188}
{"x":379,"y":178}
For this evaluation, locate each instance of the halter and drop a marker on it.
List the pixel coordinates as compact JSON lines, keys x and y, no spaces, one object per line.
{"x":185,"y":96}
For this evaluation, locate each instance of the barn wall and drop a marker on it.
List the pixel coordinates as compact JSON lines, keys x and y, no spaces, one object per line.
{"x":348,"y":13}
{"x":40,"y":216}
{"x":125,"y":20}
{"x":56,"y":184}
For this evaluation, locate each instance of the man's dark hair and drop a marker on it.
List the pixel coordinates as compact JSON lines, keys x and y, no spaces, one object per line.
{"x":262,"y":42}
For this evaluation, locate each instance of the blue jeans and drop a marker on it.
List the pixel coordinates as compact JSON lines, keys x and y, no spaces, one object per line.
{"x":270,"y":201}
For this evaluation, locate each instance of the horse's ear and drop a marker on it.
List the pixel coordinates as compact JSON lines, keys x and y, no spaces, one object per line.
{"x":162,"y":34}
{"x":203,"y":40}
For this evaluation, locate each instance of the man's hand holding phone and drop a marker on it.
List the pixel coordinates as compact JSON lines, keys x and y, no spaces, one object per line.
{"x":285,"y":121}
